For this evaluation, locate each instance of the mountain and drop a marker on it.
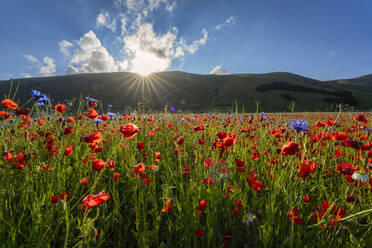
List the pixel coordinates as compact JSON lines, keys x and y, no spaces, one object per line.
{"x":197,"y":92}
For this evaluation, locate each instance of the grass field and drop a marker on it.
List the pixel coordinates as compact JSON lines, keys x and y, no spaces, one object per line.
{"x":93,"y":178}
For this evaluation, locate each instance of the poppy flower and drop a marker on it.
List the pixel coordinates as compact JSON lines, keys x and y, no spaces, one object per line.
{"x":95,"y":200}
{"x":22,"y":111}
{"x":168,"y":206}
{"x":93,"y":114}
{"x":181,"y":140}
{"x":140,"y":167}
{"x":129,"y":131}
{"x":68,"y":150}
{"x":339,"y":136}
{"x":289,"y":148}
{"x":199,"y":233}
{"x":84,"y":181}
{"x":98,"y":164}
{"x":116,"y":176}
{"x":360,"y":118}
{"x":4,"y":115}
{"x":293,"y":216}
{"x":157,"y":156}
{"x":9,"y":104}
{"x":202,"y":205}
{"x":140,"y":146}
{"x":60,"y":107}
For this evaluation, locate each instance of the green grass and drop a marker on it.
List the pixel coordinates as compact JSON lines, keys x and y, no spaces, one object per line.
{"x":133,"y":216}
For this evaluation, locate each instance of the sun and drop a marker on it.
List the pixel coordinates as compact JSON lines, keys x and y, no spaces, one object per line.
{"x":144,"y":73}
{"x":145,"y":63}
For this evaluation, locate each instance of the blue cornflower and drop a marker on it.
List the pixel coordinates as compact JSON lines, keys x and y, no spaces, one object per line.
{"x":97,"y":121}
{"x":40,"y":104}
{"x":110,"y":106}
{"x":192,"y":119}
{"x":90,"y":99}
{"x":35,"y":94}
{"x":298,"y":125}
{"x":67,"y":102}
{"x":111,"y":115}
{"x":172,"y":108}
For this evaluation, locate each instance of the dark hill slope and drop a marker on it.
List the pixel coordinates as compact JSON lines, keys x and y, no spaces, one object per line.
{"x":198,"y":92}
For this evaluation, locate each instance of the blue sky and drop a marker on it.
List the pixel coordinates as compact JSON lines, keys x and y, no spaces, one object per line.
{"x":322,"y":39}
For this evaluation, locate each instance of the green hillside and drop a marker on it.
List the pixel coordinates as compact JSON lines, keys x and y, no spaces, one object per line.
{"x":274,"y":91}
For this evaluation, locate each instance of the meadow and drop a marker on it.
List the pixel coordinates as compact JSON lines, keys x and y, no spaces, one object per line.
{"x":94,"y":178}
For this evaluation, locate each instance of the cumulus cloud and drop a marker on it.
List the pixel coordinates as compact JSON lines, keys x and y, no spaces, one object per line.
{"x":146,"y":5}
{"x":148,"y":51}
{"x":45,"y":68}
{"x":142,"y":49}
{"x":104,"y":20}
{"x":31,"y":58}
{"x":219,"y":70}
{"x":91,"y":56}
{"x":229,"y":21}
{"x":64,"y":47}
{"x":194,"y":46}
{"x":26,"y":75}
{"x":48,"y":68}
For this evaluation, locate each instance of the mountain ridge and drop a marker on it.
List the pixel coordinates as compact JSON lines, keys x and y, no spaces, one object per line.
{"x":274,"y":91}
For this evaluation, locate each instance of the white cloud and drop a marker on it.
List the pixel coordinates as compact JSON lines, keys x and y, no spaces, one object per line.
{"x":194,"y":46}
{"x":26,"y":75}
{"x":146,"y":5}
{"x":49,"y":68}
{"x":104,"y":20}
{"x":149,"y":52}
{"x":64,"y":47}
{"x":31,"y":58}
{"x":91,"y":56}
{"x":229,"y":21}
{"x":219,"y":70}
{"x":46,"y":68}
{"x":124,"y":22}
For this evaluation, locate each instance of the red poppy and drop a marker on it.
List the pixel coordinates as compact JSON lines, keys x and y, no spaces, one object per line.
{"x":84,"y":181}
{"x":360,"y":118}
{"x":95,"y":200}
{"x":140,"y":167}
{"x":202,"y":205}
{"x":293,"y":216}
{"x":93,"y":114}
{"x":22,"y":111}
{"x":98,"y":165}
{"x":9,"y":104}
{"x":54,"y":199}
{"x":104,"y":117}
{"x":116,"y":176}
{"x":140,"y":146}
{"x":181,"y":140}
{"x":339,"y":136}
{"x":129,"y":131}
{"x":289,"y":148}
{"x":157,"y":156}
{"x":60,"y":107}
{"x":198,"y":128}
{"x":68,"y":150}
{"x":4,"y":115}
{"x":168,"y":206}
{"x":199,"y":233}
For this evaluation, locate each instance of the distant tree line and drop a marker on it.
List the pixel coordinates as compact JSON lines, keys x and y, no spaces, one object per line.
{"x":343,"y":96}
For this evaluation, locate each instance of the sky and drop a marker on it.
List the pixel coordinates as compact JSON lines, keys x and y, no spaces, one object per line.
{"x":321,"y":39}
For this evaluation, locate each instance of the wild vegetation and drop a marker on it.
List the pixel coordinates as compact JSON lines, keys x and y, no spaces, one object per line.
{"x":95,"y":178}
